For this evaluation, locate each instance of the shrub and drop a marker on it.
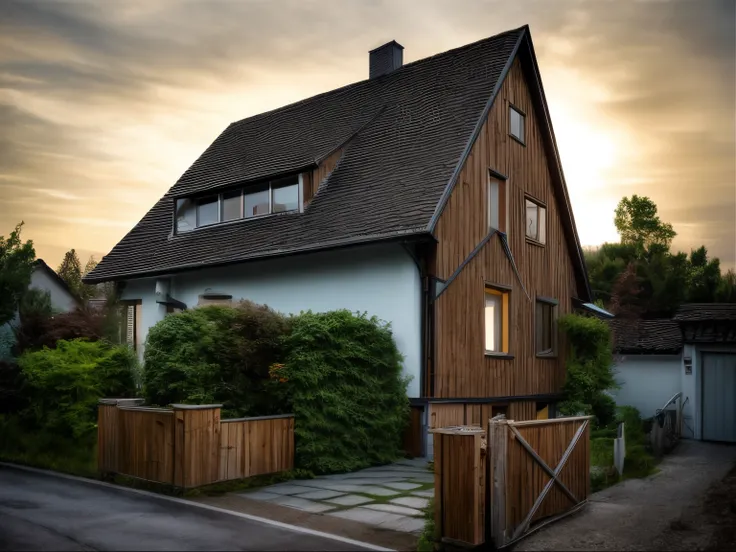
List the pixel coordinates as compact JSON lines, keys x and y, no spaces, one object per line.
{"x":216,"y":354}
{"x":38,"y":330}
{"x":589,"y":367}
{"x":63,"y":385}
{"x":12,"y":399}
{"x":343,"y":375}
{"x":429,"y":535}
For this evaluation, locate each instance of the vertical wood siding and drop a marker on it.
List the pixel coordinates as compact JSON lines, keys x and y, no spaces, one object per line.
{"x":462,"y":369}
{"x":311,"y":181}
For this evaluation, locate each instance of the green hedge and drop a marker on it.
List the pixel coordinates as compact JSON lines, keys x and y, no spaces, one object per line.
{"x":63,"y":385}
{"x":216,"y":354}
{"x":343,"y":376}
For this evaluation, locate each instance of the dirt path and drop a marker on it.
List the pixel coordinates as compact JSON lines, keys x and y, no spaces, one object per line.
{"x":662,"y":512}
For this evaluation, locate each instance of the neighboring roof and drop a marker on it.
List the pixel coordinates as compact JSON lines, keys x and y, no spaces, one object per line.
{"x":40,"y":264}
{"x":661,"y":336}
{"x":698,"y":312}
{"x":404,"y":134}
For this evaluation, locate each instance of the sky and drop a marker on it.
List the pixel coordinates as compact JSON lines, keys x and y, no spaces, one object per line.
{"x":103,"y":105}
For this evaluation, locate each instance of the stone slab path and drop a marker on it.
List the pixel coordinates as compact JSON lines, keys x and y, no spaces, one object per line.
{"x":391,"y":496}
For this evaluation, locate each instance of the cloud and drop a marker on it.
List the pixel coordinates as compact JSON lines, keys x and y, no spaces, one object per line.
{"x":104,"y":105}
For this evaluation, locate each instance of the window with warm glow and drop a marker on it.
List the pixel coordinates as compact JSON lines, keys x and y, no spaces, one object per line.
{"x":497,"y":320}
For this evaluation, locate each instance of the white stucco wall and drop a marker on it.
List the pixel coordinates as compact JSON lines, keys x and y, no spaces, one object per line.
{"x":647,"y":381}
{"x":380,"y":280}
{"x":61,"y":299}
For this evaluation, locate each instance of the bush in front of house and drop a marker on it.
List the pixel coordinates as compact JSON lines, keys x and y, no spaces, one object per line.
{"x":343,"y":376}
{"x":216,"y":354}
{"x":589,"y":368}
{"x":63,"y":386}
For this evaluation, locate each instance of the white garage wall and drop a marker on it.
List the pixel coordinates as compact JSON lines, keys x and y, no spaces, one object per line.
{"x":647,"y":381}
{"x":380,"y":280}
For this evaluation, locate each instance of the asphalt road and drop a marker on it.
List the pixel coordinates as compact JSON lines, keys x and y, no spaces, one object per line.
{"x":42,"y":512}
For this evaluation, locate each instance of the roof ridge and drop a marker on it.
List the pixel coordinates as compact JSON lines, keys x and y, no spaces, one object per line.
{"x":345,"y":87}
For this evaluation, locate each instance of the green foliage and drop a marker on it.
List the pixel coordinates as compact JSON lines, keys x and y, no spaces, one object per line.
{"x":37,"y":330}
{"x":70,"y":270}
{"x":640,"y":277}
{"x":429,"y":535}
{"x":35,"y":302}
{"x":216,"y":354}
{"x":589,"y":367}
{"x":16,"y":267}
{"x":343,"y":376}
{"x":7,"y":343}
{"x":638,"y":224}
{"x":63,"y":385}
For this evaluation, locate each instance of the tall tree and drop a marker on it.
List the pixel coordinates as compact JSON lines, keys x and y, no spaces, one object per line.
{"x":70,"y":271}
{"x":90,"y":291}
{"x":16,"y":267}
{"x":705,"y":277}
{"x":638,"y":224}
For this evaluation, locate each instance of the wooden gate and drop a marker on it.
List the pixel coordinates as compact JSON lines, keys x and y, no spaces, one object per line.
{"x":538,"y":472}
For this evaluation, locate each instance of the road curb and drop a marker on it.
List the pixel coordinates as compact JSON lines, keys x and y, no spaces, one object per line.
{"x":197,"y":505}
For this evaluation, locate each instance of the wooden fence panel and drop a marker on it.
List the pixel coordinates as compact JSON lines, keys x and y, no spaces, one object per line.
{"x":540,"y":471}
{"x":146,"y":444}
{"x":190,"y":446}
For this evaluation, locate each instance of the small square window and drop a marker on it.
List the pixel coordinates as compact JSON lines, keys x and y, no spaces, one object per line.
{"x":496,"y":320}
{"x":516,"y":124}
{"x":536,"y":221}
{"x":186,"y":215}
{"x":545,"y":331}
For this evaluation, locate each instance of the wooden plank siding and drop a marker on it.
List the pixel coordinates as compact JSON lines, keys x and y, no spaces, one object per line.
{"x":311,"y":181}
{"x":462,"y":368}
{"x":455,"y":414}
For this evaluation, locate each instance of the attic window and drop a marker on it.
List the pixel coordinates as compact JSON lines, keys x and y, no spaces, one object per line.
{"x":275,"y":196}
{"x":516,"y":124}
{"x":536,"y":221}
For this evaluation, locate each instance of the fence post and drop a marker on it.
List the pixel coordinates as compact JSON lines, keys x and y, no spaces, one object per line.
{"x":198,"y":453}
{"x":497,"y":454}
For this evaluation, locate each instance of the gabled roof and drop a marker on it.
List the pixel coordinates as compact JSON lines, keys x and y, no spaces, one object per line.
{"x":40,"y":264}
{"x":403,"y":135}
{"x":660,"y":336}
{"x":699,"y":312}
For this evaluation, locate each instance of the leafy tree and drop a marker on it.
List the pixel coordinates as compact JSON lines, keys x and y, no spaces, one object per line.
{"x":638,"y":224}
{"x":89,"y":291}
{"x":726,"y":292}
{"x":705,"y":277}
{"x":71,"y":272}
{"x":16,"y":267}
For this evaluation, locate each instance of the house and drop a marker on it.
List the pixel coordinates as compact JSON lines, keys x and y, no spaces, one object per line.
{"x":693,"y":353}
{"x":45,"y":278}
{"x":430,"y":195}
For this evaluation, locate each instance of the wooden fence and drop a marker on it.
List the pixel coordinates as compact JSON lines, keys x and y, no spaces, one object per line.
{"x":501,"y":485}
{"x":189,"y":446}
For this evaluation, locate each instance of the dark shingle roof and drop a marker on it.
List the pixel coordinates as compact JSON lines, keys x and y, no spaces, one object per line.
{"x":697,"y":312}
{"x":660,"y":336}
{"x":404,"y":134}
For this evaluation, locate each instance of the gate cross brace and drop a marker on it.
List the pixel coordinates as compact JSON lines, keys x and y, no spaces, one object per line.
{"x":554,"y":474}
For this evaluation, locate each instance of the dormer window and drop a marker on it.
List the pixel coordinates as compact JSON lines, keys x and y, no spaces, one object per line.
{"x":276,"y":196}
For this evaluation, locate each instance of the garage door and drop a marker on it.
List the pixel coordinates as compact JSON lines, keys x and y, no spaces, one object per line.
{"x":719,"y":397}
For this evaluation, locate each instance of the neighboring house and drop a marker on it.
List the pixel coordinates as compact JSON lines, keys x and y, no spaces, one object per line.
{"x":45,"y":278}
{"x":430,"y":195}
{"x":694,"y":353}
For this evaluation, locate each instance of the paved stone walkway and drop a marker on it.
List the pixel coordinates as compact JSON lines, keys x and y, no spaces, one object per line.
{"x":387,"y":496}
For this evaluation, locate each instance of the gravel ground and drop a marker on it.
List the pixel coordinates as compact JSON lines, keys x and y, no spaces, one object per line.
{"x":667,"y":511}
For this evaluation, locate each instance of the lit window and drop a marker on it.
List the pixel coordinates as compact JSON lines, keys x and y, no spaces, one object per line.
{"x":516,"y":124}
{"x":232,"y":204}
{"x":545,"y":321}
{"x":496,"y":320}
{"x":536,"y":221}
{"x":207,"y":211}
